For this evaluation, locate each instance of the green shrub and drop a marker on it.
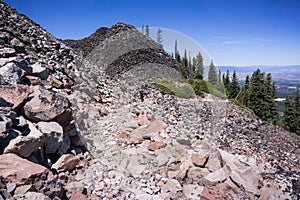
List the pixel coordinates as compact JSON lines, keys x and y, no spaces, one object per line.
{"x":241,"y":105}
{"x":216,"y":90}
{"x":199,"y":86}
{"x":177,"y":87}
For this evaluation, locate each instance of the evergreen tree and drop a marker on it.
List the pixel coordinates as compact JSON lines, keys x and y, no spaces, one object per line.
{"x":199,"y":67}
{"x":176,"y":52}
{"x":220,"y":76}
{"x":194,"y":64}
{"x":297,"y":101}
{"x":184,"y":60}
{"x":190,"y":63}
{"x":226,"y":80}
{"x":147,"y":30}
{"x":259,"y":94}
{"x":212,"y":74}
{"x":272,"y":113}
{"x":143,"y":29}
{"x":290,"y":119}
{"x":159,"y":37}
{"x":244,"y":96}
{"x":234,"y":87}
{"x":184,"y":65}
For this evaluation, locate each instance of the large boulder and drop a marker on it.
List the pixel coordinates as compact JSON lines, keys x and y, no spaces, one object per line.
{"x":11,"y":73}
{"x":24,"y":146}
{"x":21,"y":171}
{"x":45,"y":105}
{"x":54,"y":136}
{"x":15,"y":94}
{"x":66,"y":162}
{"x":243,"y":171}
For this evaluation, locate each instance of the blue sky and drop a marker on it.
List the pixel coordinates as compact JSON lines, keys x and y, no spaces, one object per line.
{"x":233,"y":32}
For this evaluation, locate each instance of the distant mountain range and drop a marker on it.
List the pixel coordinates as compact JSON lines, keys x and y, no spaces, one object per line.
{"x":289,"y":73}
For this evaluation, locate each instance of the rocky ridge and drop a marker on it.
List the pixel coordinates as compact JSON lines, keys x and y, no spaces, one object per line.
{"x":37,"y":126}
{"x":160,"y":148}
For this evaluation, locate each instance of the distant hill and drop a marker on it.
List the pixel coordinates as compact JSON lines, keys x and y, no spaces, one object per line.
{"x":279,"y":73}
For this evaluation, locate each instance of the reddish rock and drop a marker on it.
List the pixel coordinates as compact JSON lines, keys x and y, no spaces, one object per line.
{"x":135,"y":139}
{"x":33,"y":80}
{"x":24,"y":146}
{"x":217,"y":192}
{"x":45,"y":105}
{"x":143,"y":120}
{"x":15,"y":94}
{"x":66,"y":162}
{"x":155,"y":127}
{"x":198,"y":160}
{"x":78,"y":196}
{"x":173,"y":174}
{"x":16,"y":42}
{"x":123,"y":135}
{"x":21,"y":171}
{"x":69,"y":73}
{"x":156,"y":145}
{"x":55,"y":82}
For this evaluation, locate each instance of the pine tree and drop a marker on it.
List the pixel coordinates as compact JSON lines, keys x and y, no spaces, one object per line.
{"x":184,"y":65}
{"x":212,"y":74}
{"x":147,"y":30}
{"x":297,"y":101}
{"x":290,"y":119}
{"x":234,"y":87}
{"x":143,"y":29}
{"x":259,"y":96}
{"x":199,"y":67}
{"x":190,"y":63}
{"x":194,"y":64}
{"x":220,"y":76}
{"x":176,"y":52}
{"x":159,"y":36}
{"x":226,"y":80}
{"x":184,"y":60}
{"x":244,"y":96}
{"x":272,"y":114}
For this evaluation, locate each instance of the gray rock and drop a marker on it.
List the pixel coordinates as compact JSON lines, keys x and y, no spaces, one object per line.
{"x":192,"y":192}
{"x":45,"y":105}
{"x":39,"y":70}
{"x":162,"y":160}
{"x":135,"y":168}
{"x":54,"y":136}
{"x":11,"y":73}
{"x":244,"y":176}
{"x":214,"y":161}
{"x":36,"y":196}
{"x":65,"y":145}
{"x":215,"y":177}
{"x":171,"y":187}
{"x":52,"y":188}
{"x":10,"y":187}
{"x":7,"y":52}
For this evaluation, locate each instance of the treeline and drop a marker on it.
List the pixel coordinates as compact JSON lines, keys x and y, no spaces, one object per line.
{"x":259,"y":94}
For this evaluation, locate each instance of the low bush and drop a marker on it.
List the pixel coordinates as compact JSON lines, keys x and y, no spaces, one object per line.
{"x":177,"y":87}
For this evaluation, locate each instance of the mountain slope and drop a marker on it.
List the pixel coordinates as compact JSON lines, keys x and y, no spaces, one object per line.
{"x":142,"y":142}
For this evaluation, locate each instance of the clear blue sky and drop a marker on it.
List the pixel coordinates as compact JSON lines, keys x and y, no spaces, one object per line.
{"x":233,"y":32}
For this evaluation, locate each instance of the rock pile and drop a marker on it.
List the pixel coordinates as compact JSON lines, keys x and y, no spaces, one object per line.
{"x":37,"y":128}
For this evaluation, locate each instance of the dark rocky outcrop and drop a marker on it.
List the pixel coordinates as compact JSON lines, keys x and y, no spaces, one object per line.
{"x":86,"y":45}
